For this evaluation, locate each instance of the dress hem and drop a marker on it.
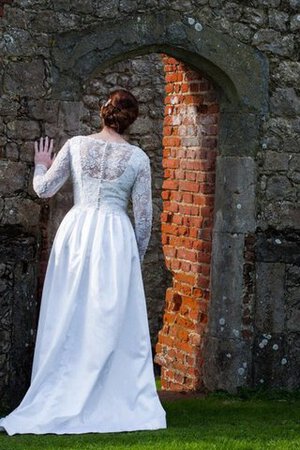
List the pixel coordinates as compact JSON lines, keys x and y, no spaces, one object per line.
{"x":155,"y":424}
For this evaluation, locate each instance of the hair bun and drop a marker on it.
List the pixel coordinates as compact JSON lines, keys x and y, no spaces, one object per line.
{"x":120,"y":110}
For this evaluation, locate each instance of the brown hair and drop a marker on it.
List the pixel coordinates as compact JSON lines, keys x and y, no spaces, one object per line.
{"x":121,"y":111}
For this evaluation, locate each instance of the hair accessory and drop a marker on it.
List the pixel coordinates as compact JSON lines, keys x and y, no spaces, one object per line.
{"x":108,"y":101}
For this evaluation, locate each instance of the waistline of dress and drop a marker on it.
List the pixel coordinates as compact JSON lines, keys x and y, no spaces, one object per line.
{"x":105,"y":206}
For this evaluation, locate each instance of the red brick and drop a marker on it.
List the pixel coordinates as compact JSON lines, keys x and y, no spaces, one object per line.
{"x":189,"y":186}
{"x":171,"y":163}
{"x":170,"y":184}
{"x":171,"y":141}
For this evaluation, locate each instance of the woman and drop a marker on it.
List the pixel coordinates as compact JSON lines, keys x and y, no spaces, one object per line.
{"x":92,"y":367}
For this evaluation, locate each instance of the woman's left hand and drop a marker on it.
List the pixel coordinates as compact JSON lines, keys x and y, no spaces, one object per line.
{"x":43,"y":152}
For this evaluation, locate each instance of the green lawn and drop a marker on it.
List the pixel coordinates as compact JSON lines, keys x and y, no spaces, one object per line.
{"x":249,"y":421}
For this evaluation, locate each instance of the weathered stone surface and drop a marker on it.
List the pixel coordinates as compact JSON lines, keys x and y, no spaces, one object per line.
{"x":43,"y":110}
{"x":278,"y":247}
{"x":238,"y":133}
{"x":285,"y":102}
{"x":269,"y":3}
{"x":25,"y":78}
{"x":278,"y":19}
{"x":254,"y":16}
{"x":16,"y":42}
{"x":270,"y":360}
{"x":18,"y":275}
{"x":23,"y":129}
{"x":8,"y":106}
{"x":225,"y":318}
{"x":283,"y":134}
{"x":270,"y":304}
{"x":12,"y":177}
{"x":84,"y":6}
{"x":295,"y":4}
{"x":227,"y":364}
{"x":295,"y":22}
{"x":15,"y":212}
{"x":232,"y":11}
{"x":27,"y":152}
{"x":12,"y":152}
{"x":272,"y":41}
{"x":280,"y":215}
{"x":235,"y":195}
{"x":275,"y":161}
{"x":279,"y":187}
{"x":287,"y":74}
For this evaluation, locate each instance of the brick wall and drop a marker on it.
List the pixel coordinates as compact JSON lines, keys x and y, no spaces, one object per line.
{"x":189,"y":154}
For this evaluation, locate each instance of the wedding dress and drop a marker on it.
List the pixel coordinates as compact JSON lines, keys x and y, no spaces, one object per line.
{"x":92,"y":367}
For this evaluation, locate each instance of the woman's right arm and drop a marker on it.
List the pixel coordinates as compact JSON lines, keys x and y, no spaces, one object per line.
{"x":142,"y":205}
{"x":47,"y":181}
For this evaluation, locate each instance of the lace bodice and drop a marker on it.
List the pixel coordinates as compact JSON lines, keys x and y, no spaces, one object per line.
{"x":102,"y":172}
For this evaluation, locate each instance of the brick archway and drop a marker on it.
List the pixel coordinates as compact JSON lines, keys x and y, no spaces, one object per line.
{"x":242,"y":91}
{"x":189,"y":154}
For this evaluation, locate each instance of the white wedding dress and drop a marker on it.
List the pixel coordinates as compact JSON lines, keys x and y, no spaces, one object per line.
{"x":92,"y":367}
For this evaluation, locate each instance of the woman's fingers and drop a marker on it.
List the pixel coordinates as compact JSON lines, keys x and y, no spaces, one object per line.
{"x":46,"y":147}
{"x":51,"y":146}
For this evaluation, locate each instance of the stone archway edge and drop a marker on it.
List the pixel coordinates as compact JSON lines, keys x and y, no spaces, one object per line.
{"x":241,"y":77}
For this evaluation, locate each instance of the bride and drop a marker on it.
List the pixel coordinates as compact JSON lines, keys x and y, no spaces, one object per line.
{"x":92,"y":367}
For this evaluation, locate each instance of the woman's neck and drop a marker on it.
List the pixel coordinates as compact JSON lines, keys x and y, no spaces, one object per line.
{"x":109,"y":134}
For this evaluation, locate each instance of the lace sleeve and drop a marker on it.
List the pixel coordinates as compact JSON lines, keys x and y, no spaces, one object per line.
{"x":47,"y":182}
{"x":142,"y":206}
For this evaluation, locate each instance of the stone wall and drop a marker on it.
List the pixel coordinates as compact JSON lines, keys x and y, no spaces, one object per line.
{"x":38,"y":96}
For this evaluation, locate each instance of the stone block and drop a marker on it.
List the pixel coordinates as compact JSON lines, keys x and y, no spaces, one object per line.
{"x":293,"y":361}
{"x":20,"y":211}
{"x":272,"y":41}
{"x":15,"y":245}
{"x":8,"y":106}
{"x":270,"y":360}
{"x":270,"y":303}
{"x":269,"y":3}
{"x":278,"y":19}
{"x":25,"y":78}
{"x":17,"y":42}
{"x":295,"y":4}
{"x":287,"y":73}
{"x":238,"y":133}
{"x":11,"y":153}
{"x":69,"y":116}
{"x":254,"y":16}
{"x":295,"y":22}
{"x":23,"y":129}
{"x":285,"y":102}
{"x":225,"y":316}
{"x":275,"y":161}
{"x":12,"y":177}
{"x":27,"y":152}
{"x":281,"y":214}
{"x":235,"y":195}
{"x":278,"y":247}
{"x":46,"y":110}
{"x":293,"y":319}
{"x":279,"y":187}
{"x":227,"y":364}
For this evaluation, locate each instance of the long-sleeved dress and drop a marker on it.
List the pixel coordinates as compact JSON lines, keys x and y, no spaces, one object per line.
{"x":92,"y":367}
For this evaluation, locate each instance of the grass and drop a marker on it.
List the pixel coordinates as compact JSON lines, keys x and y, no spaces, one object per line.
{"x":250,"y":421}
